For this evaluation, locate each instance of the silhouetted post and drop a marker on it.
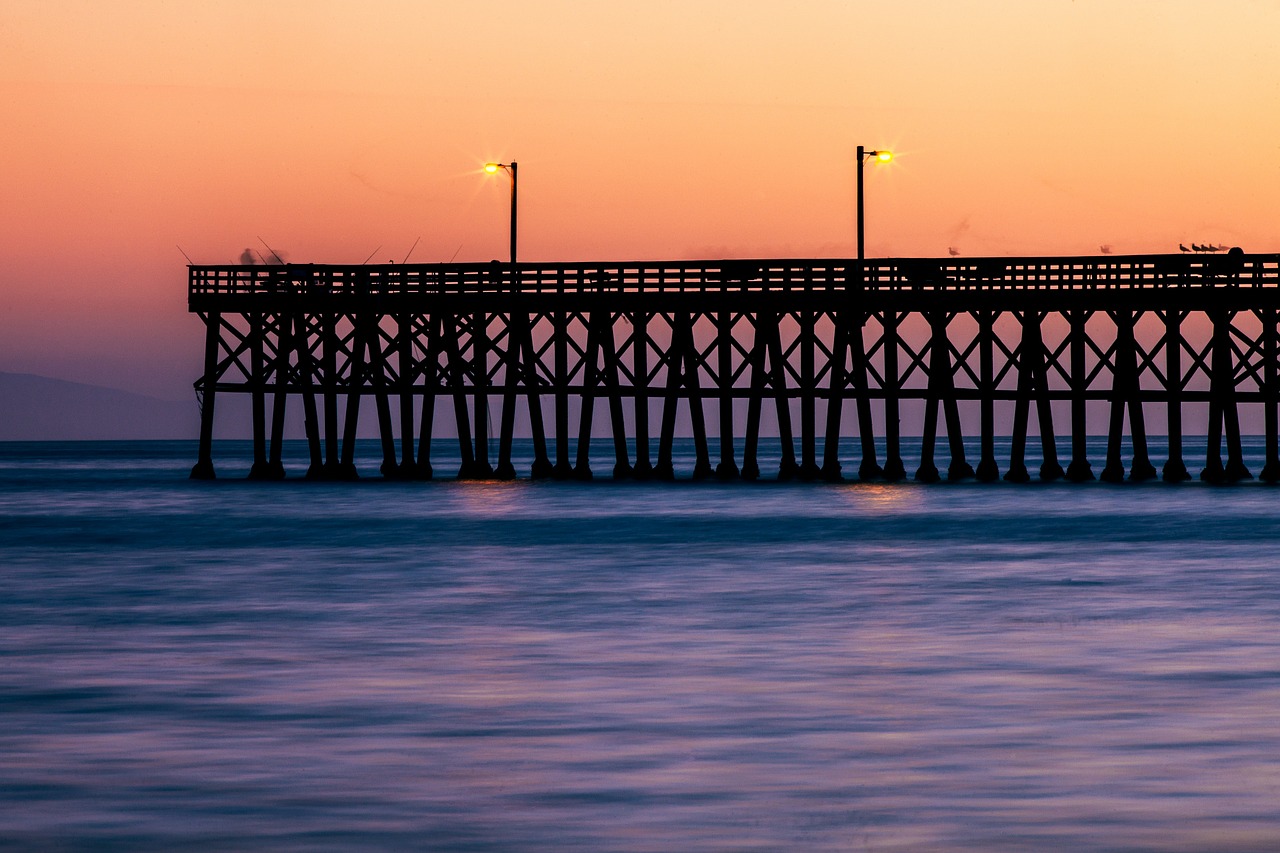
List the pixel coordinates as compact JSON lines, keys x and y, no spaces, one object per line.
{"x":809,"y":469}
{"x":1113,"y":471}
{"x":1033,"y":386}
{"x":1079,"y":469}
{"x":927,"y":472}
{"x":379,"y":376}
{"x":600,"y":345}
{"x":835,"y":400}
{"x":894,"y":470}
{"x":959,"y":468}
{"x":640,"y":343}
{"x":1175,"y":470}
{"x":563,"y":470}
{"x":455,"y":371}
{"x":697,"y":414}
{"x":259,"y":471}
{"x":306,"y":376}
{"x":613,"y":387}
{"x":203,"y":469}
{"x":433,"y":325}
{"x":480,"y":365}
{"x":510,"y":168}
{"x":988,"y":471}
{"x":356,"y":379}
{"x":590,"y":378}
{"x":755,"y":400}
{"x":329,"y":383}
{"x":863,"y":154}
{"x":505,"y":470}
{"x":404,"y":356}
{"x":941,"y":393}
{"x":869,"y":468}
{"x":1223,"y":390}
{"x":515,"y":188}
{"x":542,"y":467}
{"x":728,"y":467}
{"x":665,"y":469}
{"x":280,"y":394}
{"x":1270,"y":394}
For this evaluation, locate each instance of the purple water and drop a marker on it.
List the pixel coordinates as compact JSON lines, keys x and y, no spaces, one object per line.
{"x":651,"y":667}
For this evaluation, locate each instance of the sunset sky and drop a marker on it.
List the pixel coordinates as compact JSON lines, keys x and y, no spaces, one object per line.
{"x":650,"y":130}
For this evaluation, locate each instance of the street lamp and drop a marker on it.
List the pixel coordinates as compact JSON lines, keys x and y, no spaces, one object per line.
{"x":491,"y":168}
{"x":863,"y":155}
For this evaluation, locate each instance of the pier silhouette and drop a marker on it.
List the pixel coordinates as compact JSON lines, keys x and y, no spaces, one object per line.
{"x":841,"y":341}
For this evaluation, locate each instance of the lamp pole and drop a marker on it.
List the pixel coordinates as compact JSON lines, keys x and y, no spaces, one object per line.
{"x":863,"y":154}
{"x":510,"y":168}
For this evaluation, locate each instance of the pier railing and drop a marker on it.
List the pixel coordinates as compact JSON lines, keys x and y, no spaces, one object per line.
{"x":893,"y":274}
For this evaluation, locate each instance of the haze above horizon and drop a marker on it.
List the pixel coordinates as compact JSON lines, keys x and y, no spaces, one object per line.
{"x":656,"y":131}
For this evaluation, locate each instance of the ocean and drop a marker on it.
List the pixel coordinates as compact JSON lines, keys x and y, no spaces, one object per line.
{"x":603,"y":666}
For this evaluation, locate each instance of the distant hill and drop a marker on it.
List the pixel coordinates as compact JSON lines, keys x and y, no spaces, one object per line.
{"x":35,"y":408}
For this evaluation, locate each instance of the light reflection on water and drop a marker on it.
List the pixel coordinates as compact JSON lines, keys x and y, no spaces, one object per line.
{"x":640,"y":667}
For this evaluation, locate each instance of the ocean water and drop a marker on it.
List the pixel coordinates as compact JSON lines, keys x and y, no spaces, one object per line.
{"x":653,"y":667}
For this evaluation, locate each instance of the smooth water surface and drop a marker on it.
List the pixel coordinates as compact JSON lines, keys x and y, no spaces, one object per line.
{"x":653,"y":667}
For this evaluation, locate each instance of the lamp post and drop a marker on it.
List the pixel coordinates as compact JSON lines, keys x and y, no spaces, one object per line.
{"x":511,"y":169}
{"x":863,"y":155}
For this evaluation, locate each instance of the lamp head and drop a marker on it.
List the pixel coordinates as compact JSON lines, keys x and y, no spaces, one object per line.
{"x":883,"y":156}
{"x":492,"y":167}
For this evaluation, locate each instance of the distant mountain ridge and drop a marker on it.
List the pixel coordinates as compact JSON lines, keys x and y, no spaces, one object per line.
{"x":37,"y":408}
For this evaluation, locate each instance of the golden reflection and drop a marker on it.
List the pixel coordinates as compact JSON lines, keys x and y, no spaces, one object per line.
{"x":492,"y":497}
{"x":881,"y":496}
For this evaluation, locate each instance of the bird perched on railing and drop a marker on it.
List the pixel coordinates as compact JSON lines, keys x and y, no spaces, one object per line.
{"x":1183,"y":248}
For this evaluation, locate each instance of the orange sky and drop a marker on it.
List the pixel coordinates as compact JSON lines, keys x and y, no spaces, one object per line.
{"x":643,"y":130}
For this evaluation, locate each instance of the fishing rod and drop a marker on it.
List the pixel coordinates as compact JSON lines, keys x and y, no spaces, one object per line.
{"x":410,"y":252}
{"x":274,"y":253}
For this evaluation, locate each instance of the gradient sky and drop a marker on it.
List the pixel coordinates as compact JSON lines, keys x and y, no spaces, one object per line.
{"x":643,"y":131}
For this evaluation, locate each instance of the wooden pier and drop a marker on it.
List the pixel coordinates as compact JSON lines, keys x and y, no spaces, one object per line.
{"x":830,"y":348}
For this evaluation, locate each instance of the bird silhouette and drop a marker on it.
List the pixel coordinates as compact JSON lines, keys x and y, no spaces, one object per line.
{"x":1105,"y":248}
{"x":952,"y":251}
{"x":1197,"y":247}
{"x":1183,"y":248}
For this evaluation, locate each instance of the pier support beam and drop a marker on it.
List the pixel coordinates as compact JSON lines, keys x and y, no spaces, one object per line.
{"x":1174,"y":470}
{"x":728,"y":467}
{"x":894,"y":470}
{"x":942,"y":392}
{"x":809,"y":469}
{"x":643,"y":469}
{"x":988,"y":471}
{"x":1222,"y":407}
{"x":1270,"y":393}
{"x":1125,"y":392}
{"x":1033,"y":386}
{"x":1079,"y":470}
{"x":206,"y":390}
